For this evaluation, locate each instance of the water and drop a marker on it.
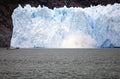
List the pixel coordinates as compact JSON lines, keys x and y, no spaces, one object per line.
{"x":60,"y":64}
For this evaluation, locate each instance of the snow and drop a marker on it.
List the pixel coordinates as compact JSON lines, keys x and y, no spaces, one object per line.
{"x":75,"y":27}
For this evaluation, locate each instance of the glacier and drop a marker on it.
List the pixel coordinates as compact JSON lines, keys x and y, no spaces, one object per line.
{"x":74,"y":27}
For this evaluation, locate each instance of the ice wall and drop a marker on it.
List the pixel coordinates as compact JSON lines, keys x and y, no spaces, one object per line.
{"x":41,"y":27}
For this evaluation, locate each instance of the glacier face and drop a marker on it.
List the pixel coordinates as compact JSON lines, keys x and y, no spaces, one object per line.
{"x":41,"y":27}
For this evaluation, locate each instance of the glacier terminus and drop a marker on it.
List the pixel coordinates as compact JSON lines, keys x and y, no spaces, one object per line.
{"x":74,"y":27}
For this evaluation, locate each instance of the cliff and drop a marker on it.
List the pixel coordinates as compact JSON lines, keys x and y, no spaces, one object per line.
{"x":7,"y":7}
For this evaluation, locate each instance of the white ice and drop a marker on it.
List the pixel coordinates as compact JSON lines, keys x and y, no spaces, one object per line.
{"x":41,"y":27}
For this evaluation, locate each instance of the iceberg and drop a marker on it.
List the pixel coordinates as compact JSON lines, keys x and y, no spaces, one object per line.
{"x":74,"y":27}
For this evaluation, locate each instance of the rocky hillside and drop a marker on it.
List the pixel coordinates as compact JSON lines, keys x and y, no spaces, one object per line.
{"x":7,"y":7}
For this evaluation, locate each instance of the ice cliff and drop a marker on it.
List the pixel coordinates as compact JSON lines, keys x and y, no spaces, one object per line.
{"x":41,"y":27}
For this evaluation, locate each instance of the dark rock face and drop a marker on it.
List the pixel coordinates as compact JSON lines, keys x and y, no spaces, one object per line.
{"x":7,"y":7}
{"x":6,"y":24}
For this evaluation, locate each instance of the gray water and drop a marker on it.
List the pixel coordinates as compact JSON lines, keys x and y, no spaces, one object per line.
{"x":60,"y":64}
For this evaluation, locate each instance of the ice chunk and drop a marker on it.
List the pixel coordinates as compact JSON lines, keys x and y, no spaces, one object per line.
{"x":92,"y":27}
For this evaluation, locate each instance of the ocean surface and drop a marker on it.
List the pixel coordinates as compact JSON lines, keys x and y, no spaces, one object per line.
{"x":60,"y":63}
